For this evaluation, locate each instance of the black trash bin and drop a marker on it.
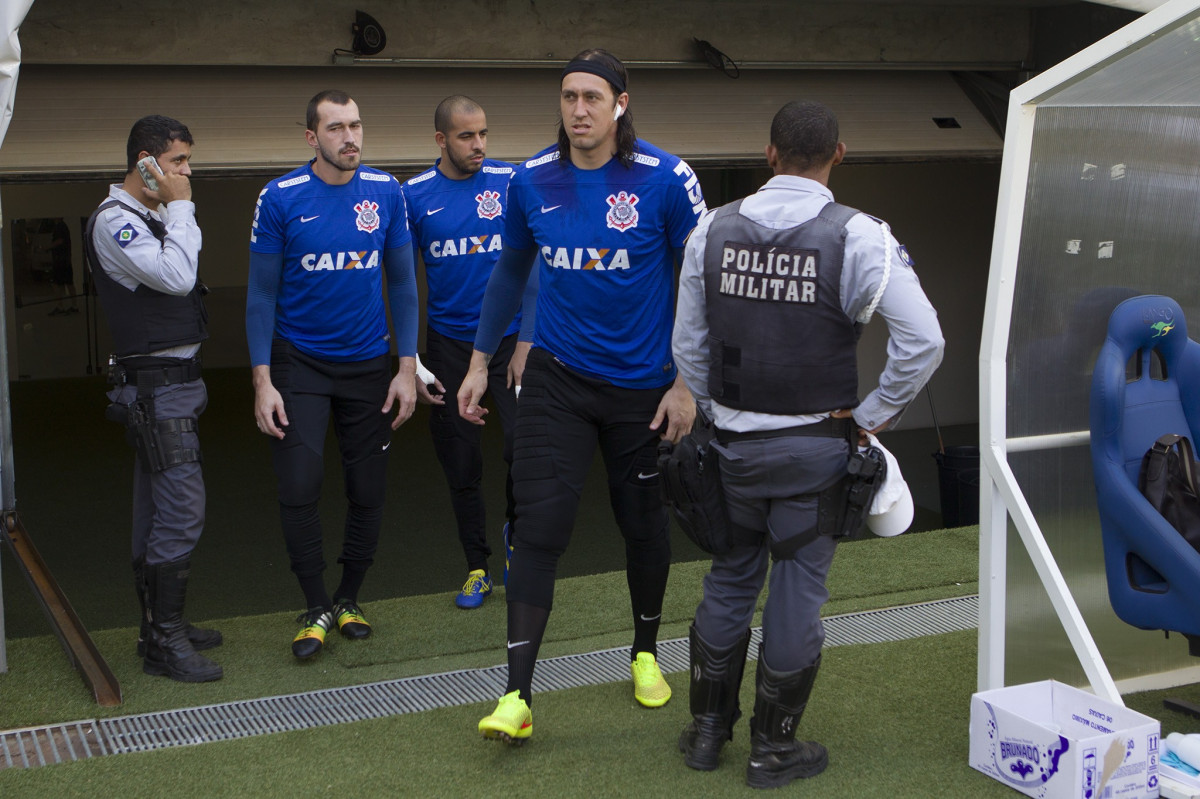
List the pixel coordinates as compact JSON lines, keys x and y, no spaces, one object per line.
{"x":958,"y":484}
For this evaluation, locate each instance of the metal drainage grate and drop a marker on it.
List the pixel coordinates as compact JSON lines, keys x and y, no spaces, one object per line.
{"x":898,"y":624}
{"x":40,"y":746}
{"x":85,"y":739}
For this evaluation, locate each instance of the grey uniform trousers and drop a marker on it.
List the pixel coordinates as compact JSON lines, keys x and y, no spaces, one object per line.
{"x":168,"y":506}
{"x":770,"y":486}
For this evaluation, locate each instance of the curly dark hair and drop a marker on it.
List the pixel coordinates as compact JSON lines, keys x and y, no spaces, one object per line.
{"x":804,"y":133}
{"x":153,"y":135}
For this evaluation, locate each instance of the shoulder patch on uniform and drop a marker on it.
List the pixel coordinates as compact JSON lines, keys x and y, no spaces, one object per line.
{"x":427,"y":175}
{"x":499,"y":170}
{"x":648,"y":160}
{"x":283,"y":184}
{"x":905,"y":257}
{"x":376,"y":176}
{"x":545,"y":159}
{"x":125,"y":235}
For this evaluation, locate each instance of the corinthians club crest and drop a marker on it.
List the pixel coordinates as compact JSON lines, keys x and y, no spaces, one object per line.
{"x":368,"y":216}
{"x":489,"y":204}
{"x":621,"y":212}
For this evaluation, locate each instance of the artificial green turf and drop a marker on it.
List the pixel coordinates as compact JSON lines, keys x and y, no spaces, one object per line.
{"x":894,"y":717}
{"x":427,"y":634}
{"x":1151,"y":703}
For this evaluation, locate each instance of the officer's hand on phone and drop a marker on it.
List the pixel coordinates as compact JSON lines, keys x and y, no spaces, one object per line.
{"x":163,"y":186}
{"x":174,"y":186}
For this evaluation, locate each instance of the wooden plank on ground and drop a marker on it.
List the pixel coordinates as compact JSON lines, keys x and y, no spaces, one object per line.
{"x":81,"y":651}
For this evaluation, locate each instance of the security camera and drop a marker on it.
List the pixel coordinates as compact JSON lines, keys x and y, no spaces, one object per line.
{"x":369,"y":37}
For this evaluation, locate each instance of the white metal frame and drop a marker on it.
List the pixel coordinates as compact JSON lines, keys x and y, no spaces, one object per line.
{"x":1000,"y":495}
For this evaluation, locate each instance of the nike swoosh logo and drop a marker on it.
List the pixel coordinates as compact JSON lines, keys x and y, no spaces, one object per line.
{"x":308,"y":218}
{"x":385,"y":447}
{"x":518,"y":643}
{"x":546,"y":210}
{"x":434,"y":211}
{"x":644,"y":617}
{"x":647,"y":475}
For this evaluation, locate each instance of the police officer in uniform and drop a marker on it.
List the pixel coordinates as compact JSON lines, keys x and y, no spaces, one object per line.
{"x":143,"y":248}
{"x":773,"y":293}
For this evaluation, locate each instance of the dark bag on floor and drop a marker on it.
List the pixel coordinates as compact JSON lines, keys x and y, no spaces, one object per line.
{"x":690,"y":482}
{"x":1168,"y":481}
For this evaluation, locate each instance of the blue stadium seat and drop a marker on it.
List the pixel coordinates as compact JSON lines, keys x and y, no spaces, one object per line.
{"x":1146,"y":384}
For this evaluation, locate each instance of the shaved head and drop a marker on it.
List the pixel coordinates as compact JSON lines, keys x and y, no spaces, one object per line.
{"x":455,"y":104}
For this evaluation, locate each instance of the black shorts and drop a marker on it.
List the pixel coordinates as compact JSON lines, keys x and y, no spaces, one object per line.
{"x":562,"y":417}
{"x":314,"y":392}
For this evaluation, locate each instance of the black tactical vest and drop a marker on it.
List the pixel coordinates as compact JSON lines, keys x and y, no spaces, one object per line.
{"x":144,"y":320}
{"x":778,"y":339}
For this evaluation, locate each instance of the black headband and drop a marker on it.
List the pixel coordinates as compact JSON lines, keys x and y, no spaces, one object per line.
{"x":598,"y":68}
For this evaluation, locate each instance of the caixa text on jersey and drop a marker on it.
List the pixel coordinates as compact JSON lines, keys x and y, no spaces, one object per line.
{"x":585,"y":258}
{"x":315,"y":262}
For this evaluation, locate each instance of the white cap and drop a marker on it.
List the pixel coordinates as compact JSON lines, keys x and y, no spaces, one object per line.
{"x":891,"y":512}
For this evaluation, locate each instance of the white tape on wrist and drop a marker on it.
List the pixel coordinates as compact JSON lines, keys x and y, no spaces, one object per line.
{"x":424,"y":375}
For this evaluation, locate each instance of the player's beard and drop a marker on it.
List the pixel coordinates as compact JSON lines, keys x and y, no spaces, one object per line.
{"x":341,"y":161}
{"x":464,"y":166}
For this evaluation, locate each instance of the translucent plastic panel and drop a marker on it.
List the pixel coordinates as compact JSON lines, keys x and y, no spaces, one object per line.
{"x":1112,"y":210}
{"x":1166,"y":71}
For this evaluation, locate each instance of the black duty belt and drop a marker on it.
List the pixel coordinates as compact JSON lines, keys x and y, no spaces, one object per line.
{"x":147,"y":372}
{"x":828,"y":427}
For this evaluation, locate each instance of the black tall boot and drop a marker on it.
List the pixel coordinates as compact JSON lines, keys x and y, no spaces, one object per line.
{"x":716,"y":678}
{"x":776,"y":757}
{"x":201,"y":639}
{"x":169,"y":653}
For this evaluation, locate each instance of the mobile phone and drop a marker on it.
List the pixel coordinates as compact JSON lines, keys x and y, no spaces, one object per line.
{"x":148,"y":167}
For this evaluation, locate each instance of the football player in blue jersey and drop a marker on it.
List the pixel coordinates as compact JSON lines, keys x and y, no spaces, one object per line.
{"x":323,"y":237}
{"x":605,"y":216}
{"x":456,"y":214}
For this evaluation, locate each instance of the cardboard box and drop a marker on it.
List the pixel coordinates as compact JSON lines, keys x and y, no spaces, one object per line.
{"x":1052,"y":741}
{"x":1175,"y":784}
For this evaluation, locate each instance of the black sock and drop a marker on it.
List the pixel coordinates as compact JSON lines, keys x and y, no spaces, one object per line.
{"x":526,"y":624}
{"x":313,"y":586}
{"x":646,"y":590}
{"x":352,"y":580}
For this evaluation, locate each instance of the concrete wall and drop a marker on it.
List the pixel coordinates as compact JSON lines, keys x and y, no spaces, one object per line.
{"x":282,"y":32}
{"x":943,"y":212}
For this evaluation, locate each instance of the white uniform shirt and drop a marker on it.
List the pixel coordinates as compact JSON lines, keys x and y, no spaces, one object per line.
{"x":136,"y":258}
{"x":915,"y":341}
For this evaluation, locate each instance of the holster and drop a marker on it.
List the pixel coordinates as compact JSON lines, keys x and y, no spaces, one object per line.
{"x":846,"y":503}
{"x":158,"y":442}
{"x":690,"y":485}
{"x":842,"y":508}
